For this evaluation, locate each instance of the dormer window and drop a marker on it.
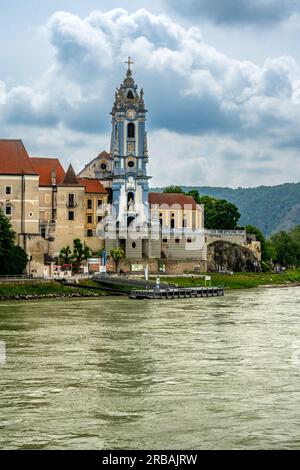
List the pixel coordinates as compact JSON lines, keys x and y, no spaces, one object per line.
{"x":130,"y":95}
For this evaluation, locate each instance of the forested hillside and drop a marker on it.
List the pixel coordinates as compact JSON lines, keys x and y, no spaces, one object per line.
{"x":271,"y":208}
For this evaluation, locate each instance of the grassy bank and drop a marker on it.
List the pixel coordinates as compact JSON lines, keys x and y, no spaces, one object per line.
{"x":240,"y":280}
{"x":44,"y":290}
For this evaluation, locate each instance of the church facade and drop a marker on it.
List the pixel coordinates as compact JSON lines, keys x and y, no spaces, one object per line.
{"x":145,"y":225}
{"x":107,"y":205}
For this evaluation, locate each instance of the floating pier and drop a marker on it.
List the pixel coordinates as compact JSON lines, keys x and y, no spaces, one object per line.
{"x":177,"y":293}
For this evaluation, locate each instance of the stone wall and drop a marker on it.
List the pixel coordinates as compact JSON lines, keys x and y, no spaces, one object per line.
{"x":170,"y":266}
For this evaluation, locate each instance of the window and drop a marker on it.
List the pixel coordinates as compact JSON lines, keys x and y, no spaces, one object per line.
{"x":100,"y":202}
{"x":30,"y":214}
{"x":172,"y":223}
{"x":134,"y":245}
{"x":43,"y":232}
{"x":165,"y":240}
{"x":8,"y":210}
{"x":189,"y":240}
{"x":71,"y":215}
{"x":103,"y":166}
{"x":8,"y":190}
{"x":130,"y":95}
{"x":100,"y":218}
{"x":131,"y":164}
{"x":89,"y":219}
{"x":71,"y":200}
{"x":90,"y":204}
{"x":177,"y":240}
{"x":160,"y":219}
{"x":89,"y":233}
{"x":131,"y":130}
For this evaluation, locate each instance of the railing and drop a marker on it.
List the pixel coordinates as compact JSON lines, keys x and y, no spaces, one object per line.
{"x":71,"y":205}
{"x":225,"y":232}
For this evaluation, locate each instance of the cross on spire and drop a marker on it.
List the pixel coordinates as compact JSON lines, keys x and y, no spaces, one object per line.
{"x":129,"y":62}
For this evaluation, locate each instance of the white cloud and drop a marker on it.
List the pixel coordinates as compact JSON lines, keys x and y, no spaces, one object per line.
{"x":211,"y":105}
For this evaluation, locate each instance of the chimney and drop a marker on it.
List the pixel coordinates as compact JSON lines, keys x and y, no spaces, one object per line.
{"x":53,"y":177}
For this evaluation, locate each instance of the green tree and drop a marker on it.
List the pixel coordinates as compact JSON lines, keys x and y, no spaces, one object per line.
{"x":81,"y":252}
{"x":13,"y":259}
{"x":285,"y":248}
{"x":117,"y":254}
{"x":173,"y":189}
{"x":219,"y":213}
{"x":196,"y":195}
{"x":66,"y":254}
{"x":100,"y":252}
{"x":295,"y":236}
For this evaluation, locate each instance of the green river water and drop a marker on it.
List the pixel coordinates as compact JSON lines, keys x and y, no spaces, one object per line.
{"x":114,"y":373}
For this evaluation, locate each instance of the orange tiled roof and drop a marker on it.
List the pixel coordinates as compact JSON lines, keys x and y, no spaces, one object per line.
{"x":171,"y":199}
{"x":14,"y":159}
{"x":45,"y":166}
{"x":93,"y":185}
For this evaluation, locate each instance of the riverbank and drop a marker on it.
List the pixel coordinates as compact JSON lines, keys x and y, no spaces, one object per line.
{"x":48,"y":290}
{"x":240,"y":280}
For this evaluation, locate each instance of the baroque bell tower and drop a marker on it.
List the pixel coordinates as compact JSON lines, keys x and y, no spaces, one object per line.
{"x":129,"y":152}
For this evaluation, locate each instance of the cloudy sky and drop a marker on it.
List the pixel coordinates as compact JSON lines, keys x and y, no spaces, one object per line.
{"x":221,"y":81}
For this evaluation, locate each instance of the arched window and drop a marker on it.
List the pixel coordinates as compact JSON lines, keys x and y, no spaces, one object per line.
{"x":130,"y":95}
{"x":131,"y":130}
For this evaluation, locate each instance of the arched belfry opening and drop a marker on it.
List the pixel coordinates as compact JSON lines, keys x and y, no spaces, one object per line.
{"x":130,"y":95}
{"x":131,"y":130}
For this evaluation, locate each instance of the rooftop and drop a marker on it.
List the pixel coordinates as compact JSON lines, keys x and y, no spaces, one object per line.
{"x":92,"y":185}
{"x":14,"y":159}
{"x":45,"y":167}
{"x":171,"y":199}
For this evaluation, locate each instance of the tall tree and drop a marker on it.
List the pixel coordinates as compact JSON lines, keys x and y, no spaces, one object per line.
{"x":13,"y":259}
{"x":117,"y":254}
{"x":66,"y":254}
{"x":285,"y":248}
{"x":81,"y":252}
{"x":196,"y":195}
{"x":219,"y":213}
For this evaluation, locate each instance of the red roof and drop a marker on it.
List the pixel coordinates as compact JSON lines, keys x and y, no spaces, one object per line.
{"x":171,"y":199}
{"x":14,"y":159}
{"x":45,"y":166}
{"x":93,"y":185}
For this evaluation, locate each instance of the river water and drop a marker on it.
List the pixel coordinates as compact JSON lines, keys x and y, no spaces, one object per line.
{"x":115,"y":373}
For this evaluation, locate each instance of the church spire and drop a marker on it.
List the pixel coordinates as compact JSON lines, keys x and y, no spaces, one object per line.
{"x":129,"y":81}
{"x":129,"y":62}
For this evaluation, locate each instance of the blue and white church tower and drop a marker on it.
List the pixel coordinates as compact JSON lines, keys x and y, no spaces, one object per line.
{"x":129,"y":152}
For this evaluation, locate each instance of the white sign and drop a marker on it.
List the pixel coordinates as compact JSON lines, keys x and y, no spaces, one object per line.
{"x":137,"y":267}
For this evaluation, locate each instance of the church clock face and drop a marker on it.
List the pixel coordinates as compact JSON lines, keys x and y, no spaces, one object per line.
{"x":131,"y":113}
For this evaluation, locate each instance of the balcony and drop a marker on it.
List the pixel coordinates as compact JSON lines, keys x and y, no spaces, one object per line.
{"x":71,"y":205}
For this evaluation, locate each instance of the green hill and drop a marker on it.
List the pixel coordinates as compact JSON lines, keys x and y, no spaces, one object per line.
{"x":271,"y":208}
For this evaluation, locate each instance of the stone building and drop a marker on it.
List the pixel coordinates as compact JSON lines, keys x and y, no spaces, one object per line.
{"x":108,"y":204}
{"x":47,"y":207}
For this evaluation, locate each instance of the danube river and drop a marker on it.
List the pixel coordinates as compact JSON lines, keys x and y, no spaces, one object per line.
{"x":115,"y":373}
